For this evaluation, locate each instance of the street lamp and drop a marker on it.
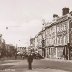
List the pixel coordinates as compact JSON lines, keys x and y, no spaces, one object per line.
{"x":6,"y":28}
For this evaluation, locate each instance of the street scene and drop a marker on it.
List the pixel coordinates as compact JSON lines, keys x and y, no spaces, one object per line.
{"x":35,"y":36}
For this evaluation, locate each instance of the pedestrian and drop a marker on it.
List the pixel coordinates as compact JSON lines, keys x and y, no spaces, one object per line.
{"x":30,"y":60}
{"x":15,"y":56}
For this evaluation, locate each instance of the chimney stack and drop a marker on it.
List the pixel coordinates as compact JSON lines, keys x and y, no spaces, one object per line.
{"x":55,"y":16}
{"x":65,"y":11}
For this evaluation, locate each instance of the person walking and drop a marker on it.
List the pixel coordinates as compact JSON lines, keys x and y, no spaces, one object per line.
{"x":30,"y":60}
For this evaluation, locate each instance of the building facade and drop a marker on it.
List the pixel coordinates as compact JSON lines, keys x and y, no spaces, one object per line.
{"x":32,"y":42}
{"x":58,"y":35}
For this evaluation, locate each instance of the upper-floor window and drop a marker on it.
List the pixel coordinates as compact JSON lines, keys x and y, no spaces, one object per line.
{"x":58,"y":40}
{"x":65,"y":27}
{"x":49,"y":51}
{"x":58,"y":28}
{"x":71,"y":24}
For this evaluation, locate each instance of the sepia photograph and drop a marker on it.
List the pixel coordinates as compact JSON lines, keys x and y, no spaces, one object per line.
{"x":35,"y":35}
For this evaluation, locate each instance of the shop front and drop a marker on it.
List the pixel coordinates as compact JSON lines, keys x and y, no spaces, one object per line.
{"x":55,"y":52}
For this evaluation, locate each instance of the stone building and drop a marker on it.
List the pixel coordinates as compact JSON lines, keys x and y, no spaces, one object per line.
{"x":32,"y":42}
{"x":58,"y":34}
{"x":38,"y":42}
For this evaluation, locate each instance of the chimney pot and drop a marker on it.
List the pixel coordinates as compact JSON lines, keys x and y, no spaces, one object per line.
{"x":55,"y":15}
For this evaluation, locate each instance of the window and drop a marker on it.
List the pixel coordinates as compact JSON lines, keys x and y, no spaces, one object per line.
{"x":54,"y":41}
{"x":62,"y":40}
{"x":61,"y":27}
{"x":65,"y":27}
{"x":71,"y":24}
{"x":58,"y":28}
{"x":58,"y":40}
{"x":65,"y":40}
{"x":49,"y":51}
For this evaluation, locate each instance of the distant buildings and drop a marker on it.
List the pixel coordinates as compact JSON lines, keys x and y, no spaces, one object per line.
{"x":32,"y":42}
{"x":21,"y":50}
{"x":52,"y":41}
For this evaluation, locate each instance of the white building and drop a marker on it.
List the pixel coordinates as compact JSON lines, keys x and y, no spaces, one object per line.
{"x":58,"y":35}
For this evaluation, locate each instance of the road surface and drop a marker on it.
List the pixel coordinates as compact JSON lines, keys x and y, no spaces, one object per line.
{"x":38,"y":66}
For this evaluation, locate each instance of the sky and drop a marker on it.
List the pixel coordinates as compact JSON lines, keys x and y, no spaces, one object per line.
{"x":24,"y":18}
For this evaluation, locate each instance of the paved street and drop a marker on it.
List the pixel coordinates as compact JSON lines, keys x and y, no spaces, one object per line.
{"x":44,"y":65}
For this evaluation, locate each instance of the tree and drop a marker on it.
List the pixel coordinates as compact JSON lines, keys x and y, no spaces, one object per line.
{"x":3,"y":49}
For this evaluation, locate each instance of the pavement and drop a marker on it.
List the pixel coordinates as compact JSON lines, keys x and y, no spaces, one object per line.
{"x":59,"y":60}
{"x":33,"y":70}
{"x":45,"y":70}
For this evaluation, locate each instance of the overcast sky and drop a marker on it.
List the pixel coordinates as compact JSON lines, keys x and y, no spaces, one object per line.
{"x":24,"y":17}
